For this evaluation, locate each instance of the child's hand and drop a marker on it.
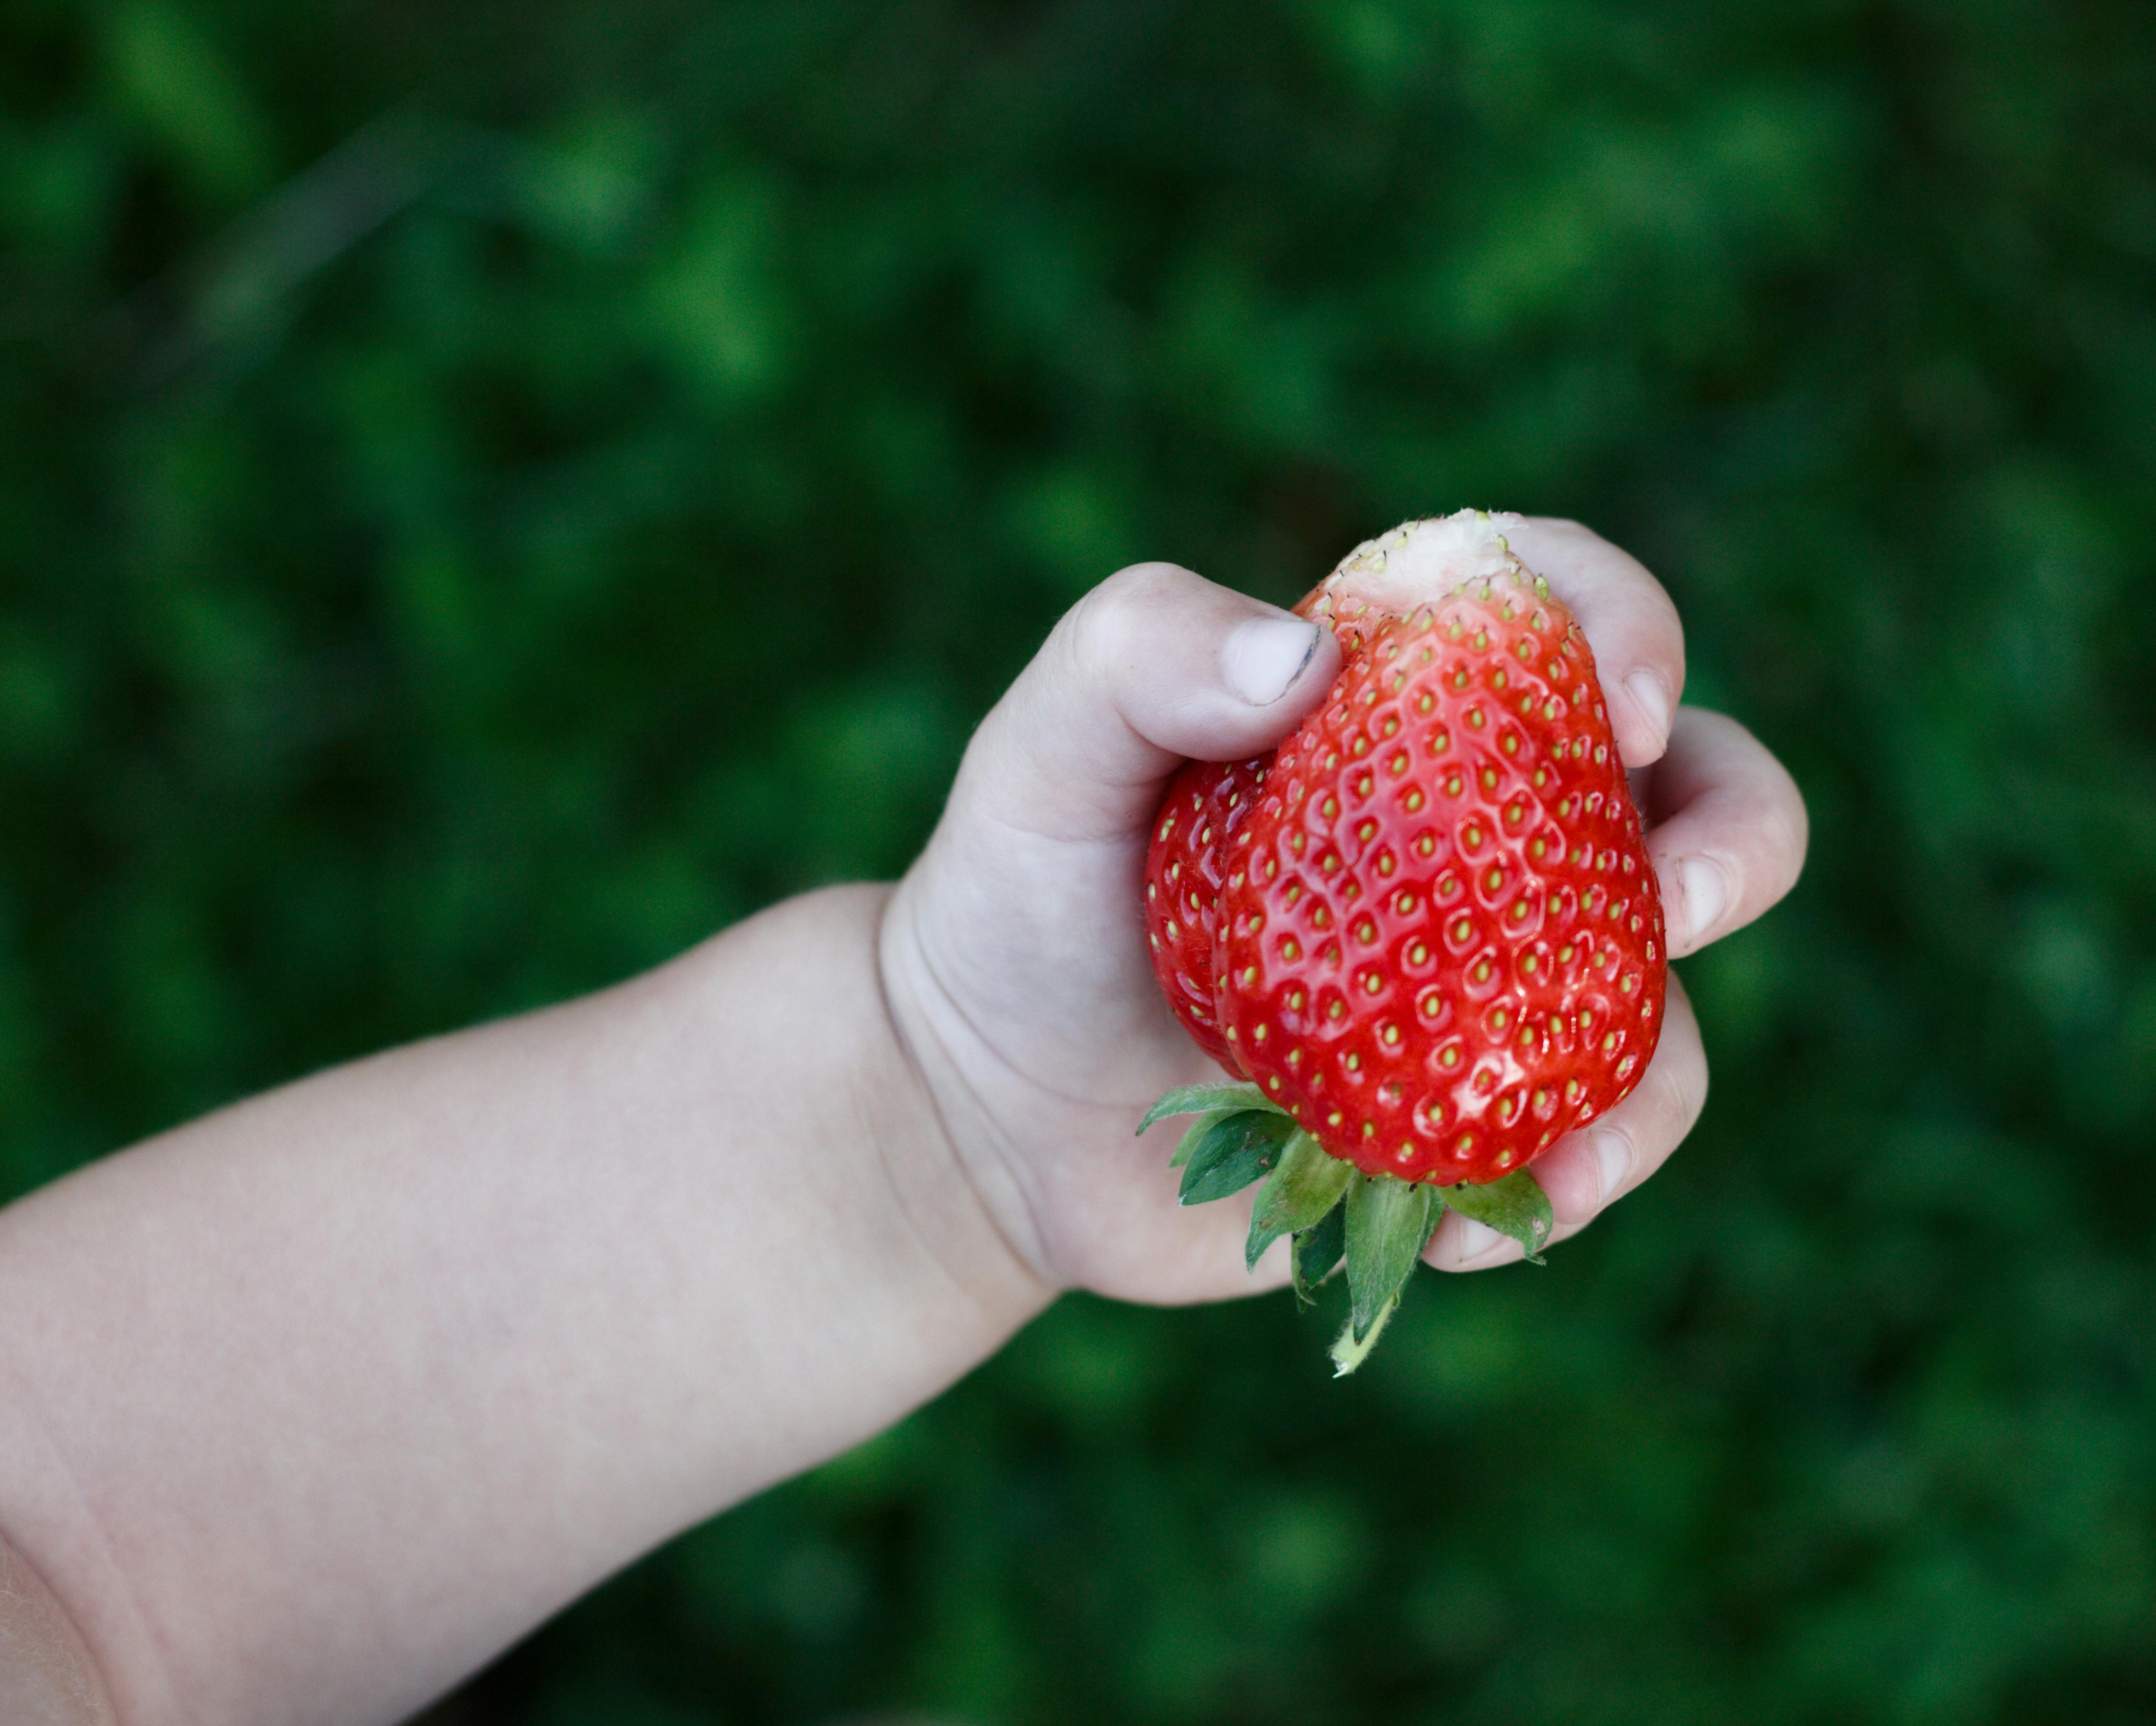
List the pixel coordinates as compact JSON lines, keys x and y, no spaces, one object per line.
{"x":1014,"y":951}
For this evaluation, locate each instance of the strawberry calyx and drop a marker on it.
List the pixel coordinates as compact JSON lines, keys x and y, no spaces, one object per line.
{"x":1333,"y":1215}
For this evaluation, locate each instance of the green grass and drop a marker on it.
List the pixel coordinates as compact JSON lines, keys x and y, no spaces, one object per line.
{"x":487,"y":499}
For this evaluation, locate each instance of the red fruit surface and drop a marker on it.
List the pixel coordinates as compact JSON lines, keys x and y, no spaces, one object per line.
{"x":1206,"y":803}
{"x":1428,"y":928}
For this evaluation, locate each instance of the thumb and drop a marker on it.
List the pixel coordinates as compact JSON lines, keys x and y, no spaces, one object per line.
{"x":1154,"y":666}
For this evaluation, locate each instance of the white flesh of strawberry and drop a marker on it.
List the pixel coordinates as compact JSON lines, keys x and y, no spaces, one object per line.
{"x":1419,"y":562}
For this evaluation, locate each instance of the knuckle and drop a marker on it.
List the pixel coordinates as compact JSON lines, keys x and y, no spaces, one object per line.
{"x":1684,"y":1090}
{"x":1794,"y":822}
{"x":1779,"y":833}
{"x":1098,"y":629}
{"x":1792,"y":840}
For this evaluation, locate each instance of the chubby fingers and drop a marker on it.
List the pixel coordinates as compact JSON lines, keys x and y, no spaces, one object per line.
{"x":1154,"y":666}
{"x":1588,"y":1170}
{"x":1728,"y":828}
{"x":1630,"y":622}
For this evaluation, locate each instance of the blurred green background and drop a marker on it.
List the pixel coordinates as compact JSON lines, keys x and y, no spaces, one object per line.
{"x":491,"y":492}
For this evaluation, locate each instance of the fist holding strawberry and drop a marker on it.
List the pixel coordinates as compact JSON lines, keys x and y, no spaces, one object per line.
{"x":1381,"y":862}
{"x":1426,"y":929}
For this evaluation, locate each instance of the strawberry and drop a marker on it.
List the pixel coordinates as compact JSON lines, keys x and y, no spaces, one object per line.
{"x":1425,"y":934}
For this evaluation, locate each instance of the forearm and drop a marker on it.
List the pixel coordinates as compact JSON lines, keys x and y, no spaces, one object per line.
{"x":338,"y":1391}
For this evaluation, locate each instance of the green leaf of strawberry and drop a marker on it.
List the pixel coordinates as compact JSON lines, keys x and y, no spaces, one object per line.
{"x":1201,"y":1099}
{"x":1297,"y":1194}
{"x":1318,"y":1251}
{"x":1389,"y":1224}
{"x":1515,"y":1205}
{"x":1235,"y":1150}
{"x":1196,"y":1136}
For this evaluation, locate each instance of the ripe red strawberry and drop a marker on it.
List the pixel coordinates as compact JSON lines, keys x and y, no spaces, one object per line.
{"x":1427,"y":930}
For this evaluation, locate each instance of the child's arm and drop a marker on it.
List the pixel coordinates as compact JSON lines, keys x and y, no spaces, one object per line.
{"x":309,"y":1408}
{"x":313,"y":1405}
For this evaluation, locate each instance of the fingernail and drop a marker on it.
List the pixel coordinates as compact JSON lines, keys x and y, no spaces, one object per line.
{"x":1706,"y":895}
{"x":1476,"y":1239}
{"x":1263,"y":657}
{"x":1613,"y":1164}
{"x":1652,"y":696}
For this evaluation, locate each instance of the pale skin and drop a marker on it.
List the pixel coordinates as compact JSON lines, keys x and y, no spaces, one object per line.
{"x":309,"y":1408}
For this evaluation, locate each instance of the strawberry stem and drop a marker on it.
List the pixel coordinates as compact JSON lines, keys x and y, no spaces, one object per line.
{"x":1350,"y":1350}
